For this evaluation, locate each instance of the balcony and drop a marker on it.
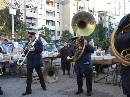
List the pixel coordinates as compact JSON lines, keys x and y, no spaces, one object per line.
{"x":50,"y":18}
{"x":51,"y":27}
{"x":32,"y":27}
{"x":31,"y":21}
{"x":31,"y":15}
{"x":32,"y":30}
{"x":50,"y":8}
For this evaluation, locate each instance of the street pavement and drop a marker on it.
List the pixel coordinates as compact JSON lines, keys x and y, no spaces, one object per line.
{"x":65,"y":86}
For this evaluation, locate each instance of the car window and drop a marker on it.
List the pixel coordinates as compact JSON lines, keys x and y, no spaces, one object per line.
{"x":50,"y":47}
{"x":22,"y":44}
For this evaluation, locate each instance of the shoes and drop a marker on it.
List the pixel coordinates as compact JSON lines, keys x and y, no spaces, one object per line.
{"x":44,"y":88}
{"x":89,"y":93}
{"x":1,"y":92}
{"x":26,"y":93}
{"x":79,"y":92}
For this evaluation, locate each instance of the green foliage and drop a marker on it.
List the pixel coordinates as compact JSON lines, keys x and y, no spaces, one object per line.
{"x":6,"y":24}
{"x":5,"y":21}
{"x":66,"y":35}
{"x":21,"y":33}
{"x":45,"y":33}
{"x":99,"y":36}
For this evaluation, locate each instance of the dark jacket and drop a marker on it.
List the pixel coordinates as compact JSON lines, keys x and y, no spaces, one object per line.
{"x":64,"y":53}
{"x":125,"y":77}
{"x":84,"y":63}
{"x":34,"y":58}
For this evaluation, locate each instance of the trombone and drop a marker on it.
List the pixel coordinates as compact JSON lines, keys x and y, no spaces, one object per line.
{"x":28,"y":48}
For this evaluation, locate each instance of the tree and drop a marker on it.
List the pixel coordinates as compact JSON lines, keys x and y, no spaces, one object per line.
{"x":99,"y":36}
{"x":21,"y":32}
{"x":45,"y":33}
{"x":66,"y":35}
{"x":6,"y":23}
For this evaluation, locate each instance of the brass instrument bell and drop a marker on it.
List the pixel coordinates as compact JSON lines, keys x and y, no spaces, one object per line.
{"x":83,"y":23}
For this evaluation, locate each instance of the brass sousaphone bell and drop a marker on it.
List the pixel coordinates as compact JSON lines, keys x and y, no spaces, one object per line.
{"x":83,"y":23}
{"x":120,"y":41}
{"x":121,"y":50}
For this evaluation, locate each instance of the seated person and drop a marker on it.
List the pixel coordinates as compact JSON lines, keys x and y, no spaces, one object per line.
{"x":6,"y":46}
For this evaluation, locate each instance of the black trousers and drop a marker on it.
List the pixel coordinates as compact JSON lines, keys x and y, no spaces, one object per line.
{"x":88,"y":81}
{"x":66,"y":66}
{"x":29,"y":78}
{"x":125,"y":77}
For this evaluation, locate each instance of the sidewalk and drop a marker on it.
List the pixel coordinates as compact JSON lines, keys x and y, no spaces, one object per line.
{"x":64,"y":87}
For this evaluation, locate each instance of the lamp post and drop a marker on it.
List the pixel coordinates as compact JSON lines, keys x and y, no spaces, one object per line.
{"x":12,"y":11}
{"x":12,"y":26}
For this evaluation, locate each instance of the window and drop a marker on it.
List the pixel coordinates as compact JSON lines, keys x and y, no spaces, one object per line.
{"x":47,"y":22}
{"x":53,"y":13}
{"x":57,"y":5}
{"x":58,"y":33}
{"x":50,"y":22}
{"x":33,"y":24}
{"x":27,"y":6}
{"x":58,"y":14}
{"x":58,"y":23}
{"x":47,"y":13}
{"x":50,"y":13}
{"x":41,"y":6}
{"x":53,"y":23}
{"x":52,"y":32}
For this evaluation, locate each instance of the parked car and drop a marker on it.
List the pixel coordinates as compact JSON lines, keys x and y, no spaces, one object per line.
{"x":22,"y":43}
{"x":50,"y":50}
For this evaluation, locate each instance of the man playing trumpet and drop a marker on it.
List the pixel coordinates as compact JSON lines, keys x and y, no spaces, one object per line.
{"x":34,"y":60}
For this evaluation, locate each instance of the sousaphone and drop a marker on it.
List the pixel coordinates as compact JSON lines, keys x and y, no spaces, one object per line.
{"x":120,"y":41}
{"x":83,"y":23}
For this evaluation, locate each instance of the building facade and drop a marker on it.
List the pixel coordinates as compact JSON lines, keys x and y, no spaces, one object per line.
{"x":70,"y":8}
{"x":42,"y":13}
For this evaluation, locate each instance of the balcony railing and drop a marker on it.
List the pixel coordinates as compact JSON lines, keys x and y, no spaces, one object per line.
{"x":31,"y":15}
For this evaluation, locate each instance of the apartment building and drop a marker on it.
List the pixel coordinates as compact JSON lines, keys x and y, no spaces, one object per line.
{"x":54,"y":18}
{"x":43,"y":13}
{"x":70,"y":8}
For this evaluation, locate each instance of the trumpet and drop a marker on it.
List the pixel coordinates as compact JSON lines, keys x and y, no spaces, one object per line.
{"x":28,"y":48}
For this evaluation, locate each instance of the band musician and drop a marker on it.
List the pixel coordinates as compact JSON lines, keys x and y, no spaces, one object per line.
{"x":64,"y":53}
{"x":83,"y":66}
{"x":123,"y":42}
{"x":34,"y":61}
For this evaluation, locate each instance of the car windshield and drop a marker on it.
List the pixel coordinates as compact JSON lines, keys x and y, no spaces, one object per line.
{"x":22,"y":44}
{"x":50,"y":47}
